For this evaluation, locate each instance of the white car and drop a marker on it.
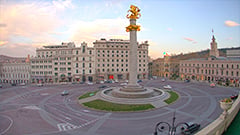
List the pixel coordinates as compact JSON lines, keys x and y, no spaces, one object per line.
{"x":39,"y":84}
{"x":90,"y":83}
{"x":123,"y":84}
{"x":167,"y":87}
{"x":22,"y":84}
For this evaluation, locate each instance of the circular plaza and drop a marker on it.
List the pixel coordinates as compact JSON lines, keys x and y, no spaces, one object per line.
{"x":48,"y":113}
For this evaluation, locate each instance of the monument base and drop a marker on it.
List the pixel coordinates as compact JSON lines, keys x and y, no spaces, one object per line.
{"x":132,"y":91}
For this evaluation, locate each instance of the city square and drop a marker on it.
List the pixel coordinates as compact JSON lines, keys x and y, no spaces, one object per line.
{"x":33,"y":110}
{"x":118,"y":84}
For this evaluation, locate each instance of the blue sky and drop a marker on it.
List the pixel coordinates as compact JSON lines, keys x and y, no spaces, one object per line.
{"x":172,"y":26}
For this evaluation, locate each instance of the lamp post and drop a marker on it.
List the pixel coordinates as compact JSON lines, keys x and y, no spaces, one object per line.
{"x":171,"y":128}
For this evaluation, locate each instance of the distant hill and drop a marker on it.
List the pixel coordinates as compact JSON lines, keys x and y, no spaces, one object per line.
{"x":201,"y":54}
{"x":8,"y":59}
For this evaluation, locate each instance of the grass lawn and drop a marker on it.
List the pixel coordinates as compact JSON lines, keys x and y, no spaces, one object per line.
{"x":89,"y":94}
{"x":173,"y":97}
{"x":108,"y":106}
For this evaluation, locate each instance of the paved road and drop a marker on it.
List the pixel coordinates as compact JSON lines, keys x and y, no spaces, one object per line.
{"x":32,"y":110}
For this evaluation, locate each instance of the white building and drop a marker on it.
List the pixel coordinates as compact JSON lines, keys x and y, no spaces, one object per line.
{"x":108,"y":59}
{"x":216,"y":69}
{"x":63,"y":63}
{"x":15,"y":71}
{"x":112,"y":59}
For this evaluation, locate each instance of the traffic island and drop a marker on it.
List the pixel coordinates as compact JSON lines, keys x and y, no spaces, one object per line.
{"x":94,"y":100}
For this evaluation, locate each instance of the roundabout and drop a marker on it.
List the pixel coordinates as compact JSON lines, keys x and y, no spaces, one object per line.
{"x":48,"y":113}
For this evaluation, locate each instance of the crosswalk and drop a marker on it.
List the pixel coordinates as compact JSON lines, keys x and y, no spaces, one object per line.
{"x":65,"y":126}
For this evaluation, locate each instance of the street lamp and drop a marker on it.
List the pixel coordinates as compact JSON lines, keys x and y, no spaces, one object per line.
{"x":171,"y":128}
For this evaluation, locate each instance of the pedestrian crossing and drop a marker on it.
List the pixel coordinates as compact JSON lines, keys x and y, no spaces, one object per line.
{"x":65,"y":126}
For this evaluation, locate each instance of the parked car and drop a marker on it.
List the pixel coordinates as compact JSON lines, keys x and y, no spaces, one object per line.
{"x":212,"y":85}
{"x":123,"y":84}
{"x":167,"y":87}
{"x":64,"y":93}
{"x":0,"y":85}
{"x":187,"y":80}
{"x":235,"y":96}
{"x":89,"y":83}
{"x":22,"y":84}
{"x":191,"y":129}
{"x":139,"y":81}
{"x":39,"y":84}
{"x":14,"y":84}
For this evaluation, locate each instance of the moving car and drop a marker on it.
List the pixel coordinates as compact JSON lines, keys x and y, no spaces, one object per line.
{"x":167,"y":87}
{"x":64,"y":93}
{"x":102,"y":87}
{"x":191,"y":129}
{"x":234,"y":96}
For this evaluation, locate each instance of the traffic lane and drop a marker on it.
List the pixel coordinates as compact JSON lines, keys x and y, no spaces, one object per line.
{"x":27,"y":121}
{"x":5,"y":123}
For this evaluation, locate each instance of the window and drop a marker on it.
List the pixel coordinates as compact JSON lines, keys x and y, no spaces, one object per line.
{"x":83,"y":50}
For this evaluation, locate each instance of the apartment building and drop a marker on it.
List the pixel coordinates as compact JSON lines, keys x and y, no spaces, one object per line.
{"x":63,"y":63}
{"x":15,"y":70}
{"x":107,"y":59}
{"x":112,"y":59}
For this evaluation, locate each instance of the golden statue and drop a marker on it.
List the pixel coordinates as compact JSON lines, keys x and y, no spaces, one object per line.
{"x":134,"y":15}
{"x":134,"y":12}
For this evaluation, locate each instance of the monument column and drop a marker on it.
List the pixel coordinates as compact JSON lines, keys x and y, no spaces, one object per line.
{"x":133,"y":55}
{"x":133,"y":90}
{"x":133,"y":59}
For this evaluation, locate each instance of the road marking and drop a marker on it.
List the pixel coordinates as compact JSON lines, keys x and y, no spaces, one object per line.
{"x":32,"y":107}
{"x":44,"y":94}
{"x":10,"y":125}
{"x":65,"y":126}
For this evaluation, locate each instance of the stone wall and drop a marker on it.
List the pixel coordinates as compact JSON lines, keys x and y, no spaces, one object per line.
{"x":220,"y":125}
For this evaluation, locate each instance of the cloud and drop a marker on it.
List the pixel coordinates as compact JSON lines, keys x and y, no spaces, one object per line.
{"x":63,"y":4}
{"x":2,"y":43}
{"x":100,"y":28}
{"x":188,"y":39}
{"x":231,"y":23}
{"x":169,"y":29}
{"x":35,"y":21}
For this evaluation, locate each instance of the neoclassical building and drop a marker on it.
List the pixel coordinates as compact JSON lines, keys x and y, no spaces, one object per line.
{"x":15,"y":71}
{"x":112,"y":59}
{"x":63,"y":63}
{"x":221,"y":70}
{"x":107,"y":59}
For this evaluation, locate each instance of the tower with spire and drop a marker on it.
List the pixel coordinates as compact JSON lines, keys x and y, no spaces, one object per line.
{"x":214,"y":50}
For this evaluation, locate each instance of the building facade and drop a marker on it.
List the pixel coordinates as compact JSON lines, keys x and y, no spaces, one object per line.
{"x":221,"y":70}
{"x":63,"y":63}
{"x":166,"y":67}
{"x":15,"y":71}
{"x":107,"y":59}
{"x":112,"y":59}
